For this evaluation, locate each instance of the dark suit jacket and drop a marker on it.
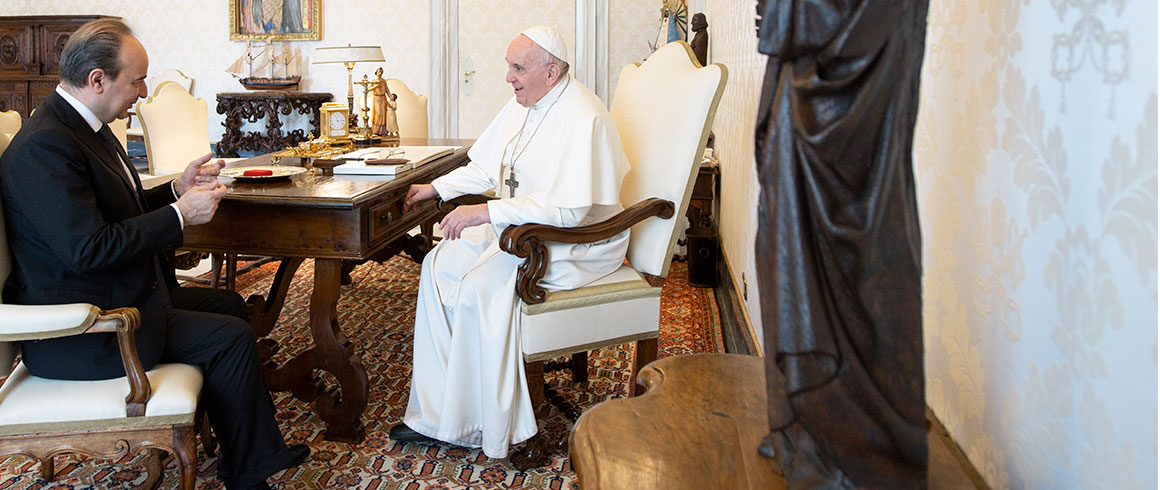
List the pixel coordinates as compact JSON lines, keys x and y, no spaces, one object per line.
{"x":81,"y":231}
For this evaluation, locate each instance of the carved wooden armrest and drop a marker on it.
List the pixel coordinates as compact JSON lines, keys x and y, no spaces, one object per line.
{"x":123,"y":322}
{"x":464,"y":200}
{"x":529,"y":241}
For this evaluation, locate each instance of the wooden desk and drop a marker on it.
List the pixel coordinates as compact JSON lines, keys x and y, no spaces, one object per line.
{"x":253,"y":106}
{"x":330,"y":219}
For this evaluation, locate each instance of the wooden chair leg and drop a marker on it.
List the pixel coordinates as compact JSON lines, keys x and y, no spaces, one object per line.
{"x":580,"y":367}
{"x":646,"y":352}
{"x":185,"y":452}
{"x":47,"y":468}
{"x":534,"y":372}
{"x":205,"y":433}
{"x":154,"y":469}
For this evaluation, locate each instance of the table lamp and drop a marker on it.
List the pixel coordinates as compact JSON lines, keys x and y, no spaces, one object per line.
{"x":348,"y":55}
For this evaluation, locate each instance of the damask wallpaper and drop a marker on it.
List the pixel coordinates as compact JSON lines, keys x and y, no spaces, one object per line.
{"x":1036,"y":161}
{"x":733,"y":42}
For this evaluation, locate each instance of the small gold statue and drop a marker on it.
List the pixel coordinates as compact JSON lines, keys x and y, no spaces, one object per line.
{"x":384,"y":121}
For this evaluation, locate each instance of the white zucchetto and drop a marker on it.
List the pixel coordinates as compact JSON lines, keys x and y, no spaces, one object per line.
{"x":549,"y":39}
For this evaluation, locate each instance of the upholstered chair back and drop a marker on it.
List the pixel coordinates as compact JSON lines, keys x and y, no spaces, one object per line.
{"x":411,"y":110}
{"x":119,"y":128}
{"x":171,"y":75}
{"x":9,"y":122}
{"x":175,"y":127}
{"x":663,"y":110}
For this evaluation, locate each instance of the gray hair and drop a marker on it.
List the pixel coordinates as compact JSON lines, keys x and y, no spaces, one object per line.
{"x":96,"y":45}
{"x":551,"y":59}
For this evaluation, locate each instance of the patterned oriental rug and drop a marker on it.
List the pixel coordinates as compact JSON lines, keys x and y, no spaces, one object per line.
{"x":377,"y":313}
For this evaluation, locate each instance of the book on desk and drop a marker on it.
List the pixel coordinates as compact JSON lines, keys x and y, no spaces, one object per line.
{"x":388,"y":161}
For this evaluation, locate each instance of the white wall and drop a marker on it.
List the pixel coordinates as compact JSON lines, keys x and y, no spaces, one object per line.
{"x":193,"y":36}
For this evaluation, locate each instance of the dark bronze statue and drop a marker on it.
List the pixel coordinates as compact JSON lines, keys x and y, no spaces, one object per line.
{"x":841,"y":298}
{"x":700,"y":42}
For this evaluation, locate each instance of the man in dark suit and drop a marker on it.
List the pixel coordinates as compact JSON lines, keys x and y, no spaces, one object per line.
{"x":82,"y":229}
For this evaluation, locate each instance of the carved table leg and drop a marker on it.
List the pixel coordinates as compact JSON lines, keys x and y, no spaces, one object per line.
{"x":342,"y":411}
{"x":264,"y":311}
{"x":340,"y":407}
{"x":231,"y":271}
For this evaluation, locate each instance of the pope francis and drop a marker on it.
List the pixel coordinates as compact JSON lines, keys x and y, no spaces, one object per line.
{"x":553,"y":156}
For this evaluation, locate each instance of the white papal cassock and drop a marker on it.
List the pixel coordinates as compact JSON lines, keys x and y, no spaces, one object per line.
{"x":467,"y":384}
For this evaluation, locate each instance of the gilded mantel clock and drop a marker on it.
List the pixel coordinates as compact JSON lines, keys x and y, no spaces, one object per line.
{"x":334,"y":123}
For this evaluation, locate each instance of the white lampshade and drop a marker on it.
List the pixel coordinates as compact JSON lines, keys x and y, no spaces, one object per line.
{"x":348,"y":54}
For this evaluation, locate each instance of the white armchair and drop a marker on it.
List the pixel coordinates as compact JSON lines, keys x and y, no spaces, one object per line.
{"x":175,"y":128}
{"x":170,"y":75}
{"x":10,"y":122}
{"x":663,"y":110}
{"x":41,"y":418}
{"x":411,"y":111}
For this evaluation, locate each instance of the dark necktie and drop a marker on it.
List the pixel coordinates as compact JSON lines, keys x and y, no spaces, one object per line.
{"x":118,"y":152}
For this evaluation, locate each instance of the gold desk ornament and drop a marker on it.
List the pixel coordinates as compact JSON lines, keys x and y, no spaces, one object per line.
{"x":334,"y":128}
{"x":364,"y":137}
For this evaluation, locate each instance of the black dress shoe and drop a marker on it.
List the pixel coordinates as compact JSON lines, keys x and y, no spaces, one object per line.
{"x":298,"y":454}
{"x":261,"y":486}
{"x":406,"y":434}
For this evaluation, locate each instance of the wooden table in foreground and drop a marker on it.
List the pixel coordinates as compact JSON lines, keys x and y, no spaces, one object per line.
{"x":697,"y":427}
{"x":329,"y":219}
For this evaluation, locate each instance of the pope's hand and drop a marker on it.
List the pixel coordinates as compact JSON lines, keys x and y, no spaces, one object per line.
{"x":416,"y":194}
{"x":199,"y":203}
{"x":463,"y":217}
{"x":199,"y":173}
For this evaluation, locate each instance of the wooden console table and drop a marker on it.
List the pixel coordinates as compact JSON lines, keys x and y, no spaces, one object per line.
{"x":271,"y":104}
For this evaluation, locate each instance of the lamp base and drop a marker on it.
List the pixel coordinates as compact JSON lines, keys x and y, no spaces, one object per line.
{"x":360,"y":140}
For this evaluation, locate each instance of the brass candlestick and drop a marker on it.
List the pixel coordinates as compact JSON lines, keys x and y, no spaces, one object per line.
{"x":365,"y":136}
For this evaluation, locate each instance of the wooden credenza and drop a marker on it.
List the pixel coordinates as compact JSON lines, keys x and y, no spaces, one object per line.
{"x":30,"y":49}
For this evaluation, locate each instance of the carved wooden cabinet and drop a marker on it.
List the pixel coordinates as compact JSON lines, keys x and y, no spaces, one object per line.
{"x":30,"y":49}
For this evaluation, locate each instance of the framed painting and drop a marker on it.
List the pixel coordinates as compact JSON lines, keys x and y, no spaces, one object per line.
{"x":275,"y":20}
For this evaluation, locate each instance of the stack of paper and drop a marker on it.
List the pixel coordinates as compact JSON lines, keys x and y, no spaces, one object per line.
{"x":413,"y":155}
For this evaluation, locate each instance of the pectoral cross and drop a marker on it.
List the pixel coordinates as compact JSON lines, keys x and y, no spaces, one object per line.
{"x":512,"y":183}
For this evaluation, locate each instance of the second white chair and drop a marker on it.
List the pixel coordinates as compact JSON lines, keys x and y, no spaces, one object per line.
{"x":411,"y":111}
{"x":175,"y":128}
{"x":170,"y":75}
{"x":10,"y":122}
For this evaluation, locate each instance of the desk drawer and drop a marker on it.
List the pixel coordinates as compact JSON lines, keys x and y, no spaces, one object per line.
{"x":385,"y":216}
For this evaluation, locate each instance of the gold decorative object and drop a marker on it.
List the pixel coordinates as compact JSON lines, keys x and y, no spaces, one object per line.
{"x":334,"y":123}
{"x":365,"y":136}
{"x":348,"y":55}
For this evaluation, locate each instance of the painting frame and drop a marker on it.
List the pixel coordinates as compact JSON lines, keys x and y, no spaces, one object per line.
{"x":242,"y":28}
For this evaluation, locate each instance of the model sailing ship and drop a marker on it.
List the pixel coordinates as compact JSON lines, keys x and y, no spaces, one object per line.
{"x":261,"y":68}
